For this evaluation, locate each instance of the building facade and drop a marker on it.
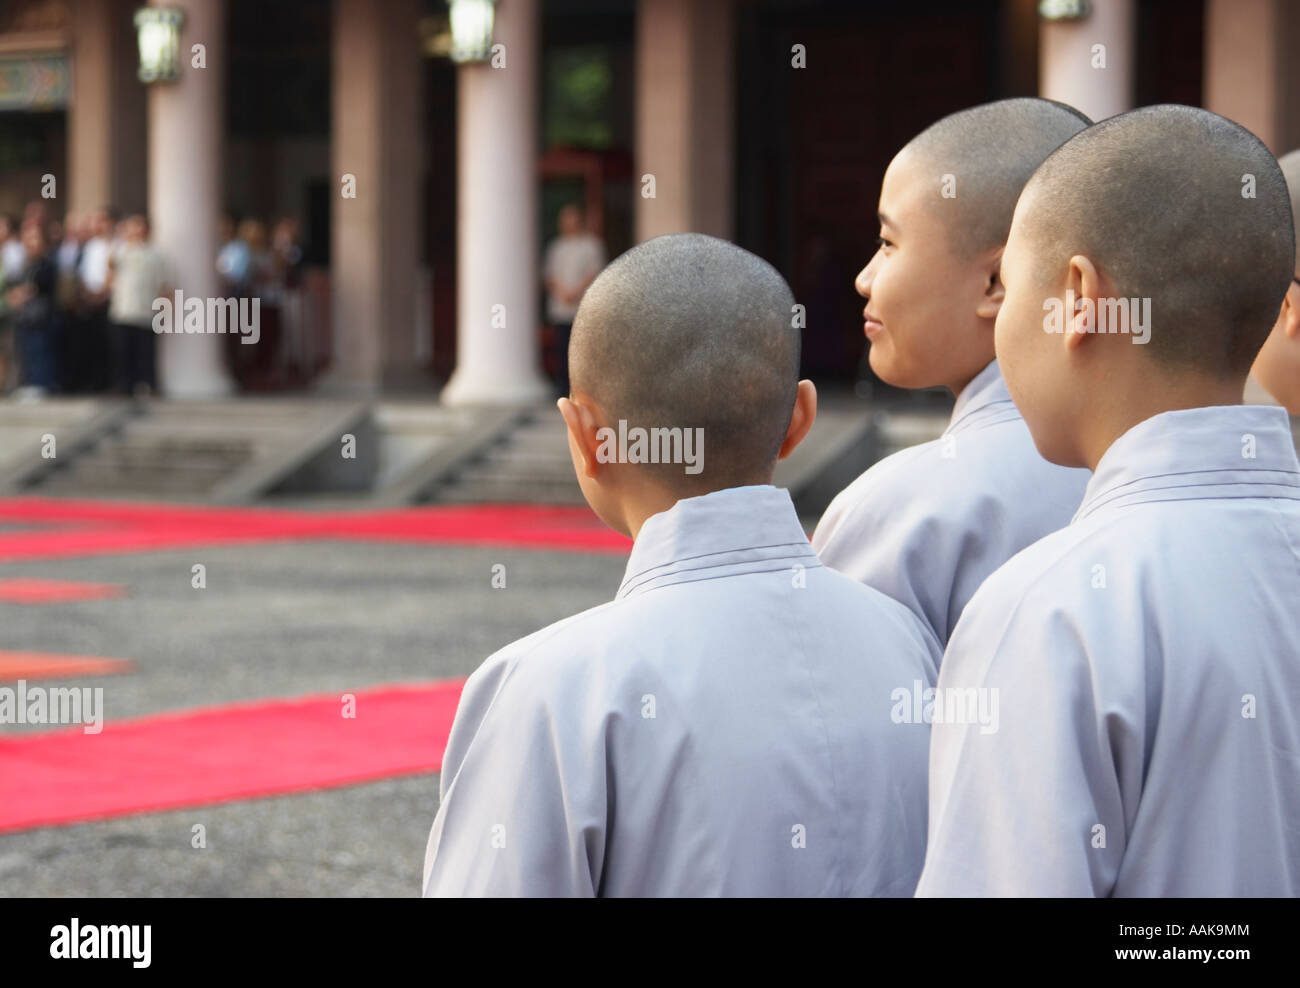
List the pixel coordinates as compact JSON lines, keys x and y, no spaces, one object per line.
{"x":426,"y":190}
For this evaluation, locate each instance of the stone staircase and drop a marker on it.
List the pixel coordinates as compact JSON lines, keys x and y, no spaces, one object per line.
{"x":73,"y":424}
{"x":216,"y":451}
{"x":408,"y":451}
{"x":529,"y":464}
{"x":153,"y":458}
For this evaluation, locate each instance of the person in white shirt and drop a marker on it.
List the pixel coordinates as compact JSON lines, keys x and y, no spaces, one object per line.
{"x":13,"y":255}
{"x":725,"y":725}
{"x":138,"y":276}
{"x":573,"y":259}
{"x":1145,"y":660}
{"x":929,"y":523}
{"x":95,"y":255}
{"x":8,"y":279}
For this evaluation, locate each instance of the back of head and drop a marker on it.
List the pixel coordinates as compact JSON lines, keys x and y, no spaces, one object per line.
{"x":990,"y":151}
{"x":1290,"y":165}
{"x":1180,"y":206}
{"x":692,"y":332}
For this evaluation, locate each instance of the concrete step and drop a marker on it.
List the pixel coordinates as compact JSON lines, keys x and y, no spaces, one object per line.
{"x":409,"y":451}
{"x":76,"y":424}
{"x":110,"y":482}
{"x":121,"y":467}
{"x":134,"y":445}
{"x":222,"y":451}
{"x":510,"y":489}
{"x":420,"y":466}
{"x":528,"y":463}
{"x":549,"y":459}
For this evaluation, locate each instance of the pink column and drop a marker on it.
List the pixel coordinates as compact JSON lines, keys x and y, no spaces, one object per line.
{"x":1247,"y":47}
{"x":1069,"y":61}
{"x":684,"y":116}
{"x":186,"y":127}
{"x":498,"y":276}
{"x":374,"y":249}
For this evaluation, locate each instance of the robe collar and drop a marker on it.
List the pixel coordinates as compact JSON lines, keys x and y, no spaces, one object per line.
{"x":1223,"y":451}
{"x":985,"y":401}
{"x":723,"y":533}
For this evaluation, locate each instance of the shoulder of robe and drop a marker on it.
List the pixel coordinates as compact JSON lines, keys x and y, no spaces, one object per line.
{"x":925,"y":487}
{"x":890,"y":478}
{"x":551,"y":660}
{"x":876,"y":606}
{"x":1051,"y":576}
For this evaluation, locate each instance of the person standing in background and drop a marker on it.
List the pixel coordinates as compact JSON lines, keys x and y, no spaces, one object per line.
{"x":68,"y":254}
{"x":232,"y":257}
{"x":67,"y":295}
{"x":281,"y":302}
{"x":32,"y":301}
{"x":573,"y":259}
{"x":89,"y":349}
{"x":13,"y":257}
{"x":137,"y":276}
{"x":252,"y":279}
{"x":6,"y":336}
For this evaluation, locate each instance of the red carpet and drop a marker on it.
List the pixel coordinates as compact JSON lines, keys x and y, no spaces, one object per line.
{"x":56,"y":591}
{"x":218,"y":754}
{"x":96,"y":528}
{"x":48,"y":665}
{"x":264,"y":748}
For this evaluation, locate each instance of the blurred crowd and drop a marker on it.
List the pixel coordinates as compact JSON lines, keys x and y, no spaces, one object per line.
{"x":77,"y":300}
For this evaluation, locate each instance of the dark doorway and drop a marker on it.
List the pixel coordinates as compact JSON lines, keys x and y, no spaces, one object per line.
{"x":813,"y":143}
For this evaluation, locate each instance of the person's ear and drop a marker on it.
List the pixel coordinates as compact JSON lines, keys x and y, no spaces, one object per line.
{"x":994,"y":291}
{"x":1084,"y":289}
{"x":1291,"y":312}
{"x":801,"y":419}
{"x":583,"y":423}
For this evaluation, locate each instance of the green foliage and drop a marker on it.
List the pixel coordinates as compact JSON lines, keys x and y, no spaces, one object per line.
{"x":577,"y":109}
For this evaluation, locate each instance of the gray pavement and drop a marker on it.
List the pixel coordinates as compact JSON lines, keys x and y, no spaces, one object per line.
{"x":277,"y":620}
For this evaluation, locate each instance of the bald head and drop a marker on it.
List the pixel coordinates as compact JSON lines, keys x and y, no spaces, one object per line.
{"x":1290,"y":165}
{"x":1181,"y":206}
{"x":688,"y":331}
{"x":991,"y":151}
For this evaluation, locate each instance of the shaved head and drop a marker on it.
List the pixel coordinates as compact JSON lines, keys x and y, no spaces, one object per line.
{"x":990,"y":151}
{"x":1290,"y":165}
{"x":688,"y":331}
{"x":1181,"y":206}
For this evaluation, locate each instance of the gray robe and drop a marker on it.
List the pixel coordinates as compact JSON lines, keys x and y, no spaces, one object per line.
{"x":927,"y":525}
{"x":1146,"y":661}
{"x":721,"y":728}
